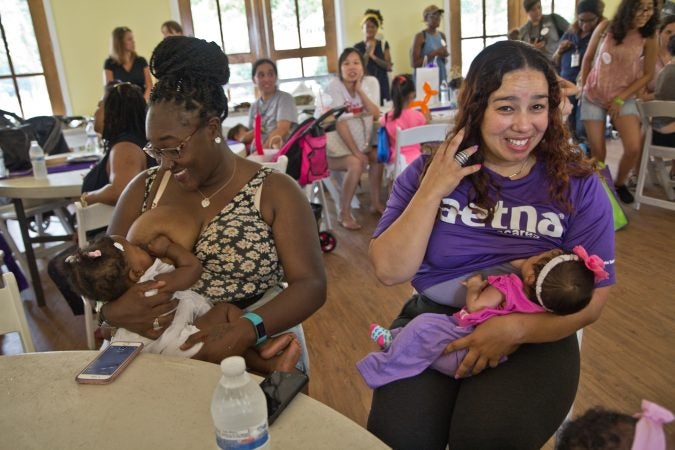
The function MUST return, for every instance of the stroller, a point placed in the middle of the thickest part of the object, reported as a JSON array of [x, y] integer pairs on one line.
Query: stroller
[[307, 163]]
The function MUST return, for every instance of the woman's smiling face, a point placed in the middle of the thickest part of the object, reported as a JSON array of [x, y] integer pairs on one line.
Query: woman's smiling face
[[516, 118], [351, 68]]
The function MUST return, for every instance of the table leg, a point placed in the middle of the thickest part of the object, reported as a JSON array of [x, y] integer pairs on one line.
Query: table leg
[[30, 253]]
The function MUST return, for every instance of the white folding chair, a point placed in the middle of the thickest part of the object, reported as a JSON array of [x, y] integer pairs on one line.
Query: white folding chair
[[89, 218], [416, 135], [653, 156], [12, 314]]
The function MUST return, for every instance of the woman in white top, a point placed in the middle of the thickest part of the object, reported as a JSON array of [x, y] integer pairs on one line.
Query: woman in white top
[[350, 149]]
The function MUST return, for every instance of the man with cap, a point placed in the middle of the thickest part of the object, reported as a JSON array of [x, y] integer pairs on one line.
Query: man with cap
[[431, 43], [542, 31]]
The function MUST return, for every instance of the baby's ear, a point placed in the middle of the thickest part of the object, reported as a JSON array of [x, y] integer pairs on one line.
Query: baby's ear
[[530, 279]]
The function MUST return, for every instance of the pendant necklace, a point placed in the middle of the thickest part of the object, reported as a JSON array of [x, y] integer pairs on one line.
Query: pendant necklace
[[206, 201], [515, 174]]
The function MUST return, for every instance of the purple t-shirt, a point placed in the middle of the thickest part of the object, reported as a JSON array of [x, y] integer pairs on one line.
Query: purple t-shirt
[[526, 223]]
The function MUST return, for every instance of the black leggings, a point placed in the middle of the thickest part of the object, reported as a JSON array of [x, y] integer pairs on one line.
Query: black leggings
[[518, 405]]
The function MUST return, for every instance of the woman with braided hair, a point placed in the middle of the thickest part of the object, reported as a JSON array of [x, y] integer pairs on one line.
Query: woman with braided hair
[[254, 222]]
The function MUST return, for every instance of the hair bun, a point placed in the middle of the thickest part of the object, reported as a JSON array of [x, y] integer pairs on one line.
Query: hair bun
[[178, 57]]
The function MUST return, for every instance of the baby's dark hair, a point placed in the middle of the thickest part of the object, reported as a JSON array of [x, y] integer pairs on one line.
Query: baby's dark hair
[[671, 45], [190, 72], [567, 288], [401, 88], [101, 278], [598, 429], [232, 132]]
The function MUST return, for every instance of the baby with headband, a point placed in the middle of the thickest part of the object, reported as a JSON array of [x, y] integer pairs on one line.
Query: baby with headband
[[602, 429], [156, 248], [553, 281]]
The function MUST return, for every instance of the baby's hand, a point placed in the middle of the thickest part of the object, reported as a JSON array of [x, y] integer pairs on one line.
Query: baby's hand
[[159, 245], [475, 281]]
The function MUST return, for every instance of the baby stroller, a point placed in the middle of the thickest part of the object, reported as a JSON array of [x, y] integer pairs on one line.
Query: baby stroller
[[307, 163]]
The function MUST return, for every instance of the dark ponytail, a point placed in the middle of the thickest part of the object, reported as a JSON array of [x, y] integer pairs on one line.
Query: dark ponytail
[[401, 87]]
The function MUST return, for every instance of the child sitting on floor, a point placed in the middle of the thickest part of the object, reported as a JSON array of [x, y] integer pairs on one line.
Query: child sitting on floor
[[552, 282], [106, 268], [602, 429]]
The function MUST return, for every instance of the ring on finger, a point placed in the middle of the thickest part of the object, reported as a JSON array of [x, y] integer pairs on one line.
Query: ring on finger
[[155, 324], [462, 158]]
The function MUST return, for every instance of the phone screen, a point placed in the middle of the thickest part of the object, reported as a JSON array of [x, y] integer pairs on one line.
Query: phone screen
[[111, 358], [280, 388]]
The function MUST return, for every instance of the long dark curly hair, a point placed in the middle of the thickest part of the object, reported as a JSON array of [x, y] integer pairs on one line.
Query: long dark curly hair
[[191, 72], [561, 159], [622, 22], [123, 111]]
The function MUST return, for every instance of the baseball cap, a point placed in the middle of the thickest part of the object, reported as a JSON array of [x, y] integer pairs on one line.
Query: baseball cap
[[431, 9]]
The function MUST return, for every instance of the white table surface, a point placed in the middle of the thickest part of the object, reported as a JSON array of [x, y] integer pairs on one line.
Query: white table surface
[[157, 402], [57, 185]]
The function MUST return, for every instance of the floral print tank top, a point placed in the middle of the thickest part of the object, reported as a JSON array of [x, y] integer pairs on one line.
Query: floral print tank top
[[236, 248]]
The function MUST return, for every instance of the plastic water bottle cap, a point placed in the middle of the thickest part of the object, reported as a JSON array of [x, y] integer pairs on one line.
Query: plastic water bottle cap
[[233, 366]]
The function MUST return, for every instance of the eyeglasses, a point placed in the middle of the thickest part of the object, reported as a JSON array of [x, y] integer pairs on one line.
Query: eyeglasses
[[169, 152], [593, 20]]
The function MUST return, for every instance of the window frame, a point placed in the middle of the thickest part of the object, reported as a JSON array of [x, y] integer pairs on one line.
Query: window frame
[[261, 36], [36, 9]]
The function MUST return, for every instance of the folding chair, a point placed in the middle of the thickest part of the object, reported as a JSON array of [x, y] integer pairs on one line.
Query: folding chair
[[89, 218], [12, 314], [653, 156], [416, 135]]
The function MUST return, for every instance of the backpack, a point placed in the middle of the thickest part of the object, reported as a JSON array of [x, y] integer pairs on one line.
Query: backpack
[[383, 148]]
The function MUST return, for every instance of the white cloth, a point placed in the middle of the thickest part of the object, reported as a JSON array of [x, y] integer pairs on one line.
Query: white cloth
[[190, 306]]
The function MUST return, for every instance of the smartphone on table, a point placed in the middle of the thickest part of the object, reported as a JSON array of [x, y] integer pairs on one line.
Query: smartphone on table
[[280, 388], [109, 363]]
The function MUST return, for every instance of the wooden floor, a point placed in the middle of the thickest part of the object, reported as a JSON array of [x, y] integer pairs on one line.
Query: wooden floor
[[628, 355]]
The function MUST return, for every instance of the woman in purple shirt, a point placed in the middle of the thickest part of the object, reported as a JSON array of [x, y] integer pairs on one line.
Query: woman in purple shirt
[[523, 190]]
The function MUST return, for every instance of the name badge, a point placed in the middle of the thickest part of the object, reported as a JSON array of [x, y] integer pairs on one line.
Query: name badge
[[574, 62]]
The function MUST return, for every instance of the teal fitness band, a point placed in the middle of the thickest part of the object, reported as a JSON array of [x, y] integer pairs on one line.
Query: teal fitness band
[[256, 320]]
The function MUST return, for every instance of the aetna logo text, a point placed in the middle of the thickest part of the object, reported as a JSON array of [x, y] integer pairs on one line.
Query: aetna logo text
[[518, 221]]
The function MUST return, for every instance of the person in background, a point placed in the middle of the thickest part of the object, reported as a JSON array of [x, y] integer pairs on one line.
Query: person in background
[[461, 211], [664, 128], [120, 119], [237, 132], [403, 117], [570, 53], [276, 107], [431, 43], [124, 64], [663, 57], [603, 429], [611, 80], [542, 31], [349, 149], [257, 230], [375, 52], [171, 28]]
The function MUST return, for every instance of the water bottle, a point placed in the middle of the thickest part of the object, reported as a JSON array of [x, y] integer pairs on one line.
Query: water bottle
[[3, 169], [37, 160], [444, 93], [239, 409], [92, 138]]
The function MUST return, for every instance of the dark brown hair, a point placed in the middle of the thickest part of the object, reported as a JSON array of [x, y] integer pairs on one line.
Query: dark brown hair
[[598, 429], [343, 56], [622, 22], [102, 278], [567, 288]]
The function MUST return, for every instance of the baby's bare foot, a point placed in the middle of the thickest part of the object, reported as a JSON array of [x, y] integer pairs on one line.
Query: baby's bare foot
[[286, 361], [274, 345]]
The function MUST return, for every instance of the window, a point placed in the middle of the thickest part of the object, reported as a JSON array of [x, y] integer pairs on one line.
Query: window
[[28, 82], [484, 22], [299, 35]]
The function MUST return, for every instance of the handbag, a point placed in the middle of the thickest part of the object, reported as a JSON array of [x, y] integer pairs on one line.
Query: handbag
[[383, 149], [15, 143], [359, 127]]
